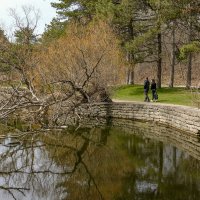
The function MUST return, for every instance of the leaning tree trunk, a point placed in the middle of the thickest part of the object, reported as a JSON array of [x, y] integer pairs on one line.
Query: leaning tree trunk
[[173, 58], [159, 62]]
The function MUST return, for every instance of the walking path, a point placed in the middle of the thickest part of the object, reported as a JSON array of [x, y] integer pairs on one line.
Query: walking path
[[151, 103]]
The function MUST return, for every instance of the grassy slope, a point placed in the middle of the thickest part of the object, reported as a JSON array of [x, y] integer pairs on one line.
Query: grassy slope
[[179, 96]]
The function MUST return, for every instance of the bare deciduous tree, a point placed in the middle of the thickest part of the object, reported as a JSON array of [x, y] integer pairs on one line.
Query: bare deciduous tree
[[52, 81], [26, 24]]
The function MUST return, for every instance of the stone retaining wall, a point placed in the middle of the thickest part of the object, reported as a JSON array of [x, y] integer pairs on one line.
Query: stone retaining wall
[[180, 117]]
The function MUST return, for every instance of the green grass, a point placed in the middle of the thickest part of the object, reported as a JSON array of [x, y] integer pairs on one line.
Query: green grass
[[179, 96]]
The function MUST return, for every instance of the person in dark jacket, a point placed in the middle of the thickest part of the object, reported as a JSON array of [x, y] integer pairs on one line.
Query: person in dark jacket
[[153, 90], [146, 89]]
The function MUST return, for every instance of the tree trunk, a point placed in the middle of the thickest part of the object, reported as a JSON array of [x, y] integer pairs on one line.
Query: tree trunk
[[189, 64], [189, 71], [130, 54], [130, 73], [128, 76], [173, 57], [159, 62]]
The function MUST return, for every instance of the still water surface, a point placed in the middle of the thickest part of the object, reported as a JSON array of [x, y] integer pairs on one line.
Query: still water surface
[[138, 161]]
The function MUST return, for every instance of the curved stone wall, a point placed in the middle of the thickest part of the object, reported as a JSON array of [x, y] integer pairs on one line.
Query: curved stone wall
[[180, 117]]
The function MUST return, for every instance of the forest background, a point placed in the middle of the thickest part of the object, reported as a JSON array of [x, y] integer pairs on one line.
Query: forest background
[[93, 44], [159, 38]]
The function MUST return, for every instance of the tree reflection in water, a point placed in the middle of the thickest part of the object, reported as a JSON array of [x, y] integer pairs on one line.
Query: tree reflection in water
[[61, 165], [134, 161]]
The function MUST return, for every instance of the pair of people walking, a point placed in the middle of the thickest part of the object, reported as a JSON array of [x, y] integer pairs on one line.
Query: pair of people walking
[[147, 85]]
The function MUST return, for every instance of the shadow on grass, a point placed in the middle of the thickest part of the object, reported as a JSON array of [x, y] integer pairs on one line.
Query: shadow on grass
[[163, 101]]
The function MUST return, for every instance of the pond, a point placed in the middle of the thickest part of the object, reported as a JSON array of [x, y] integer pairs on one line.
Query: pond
[[120, 161]]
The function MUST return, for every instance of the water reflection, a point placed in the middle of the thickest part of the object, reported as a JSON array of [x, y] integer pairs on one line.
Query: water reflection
[[135, 161]]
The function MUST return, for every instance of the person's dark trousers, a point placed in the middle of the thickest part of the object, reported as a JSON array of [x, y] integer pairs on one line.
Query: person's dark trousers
[[146, 95], [153, 94]]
